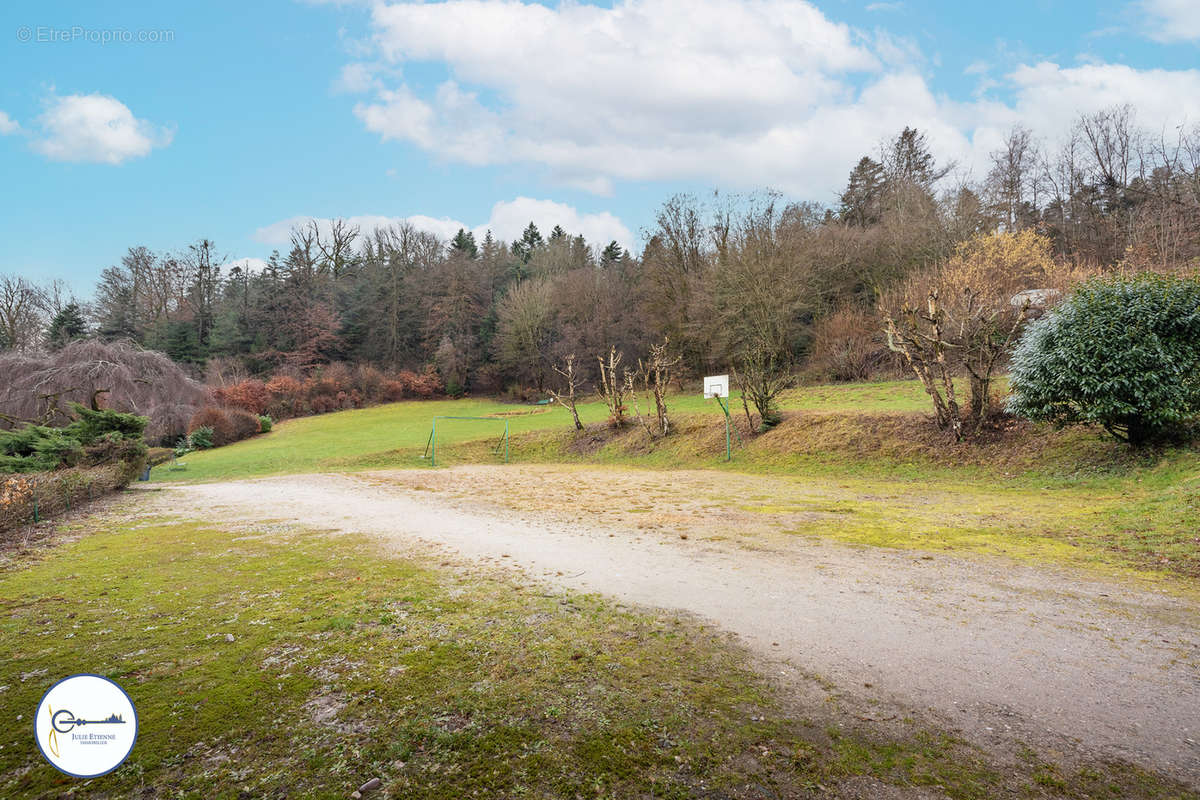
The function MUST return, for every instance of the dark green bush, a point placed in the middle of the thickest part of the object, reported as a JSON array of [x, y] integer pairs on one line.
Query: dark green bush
[[93, 437], [90, 424], [265, 423], [201, 438], [1122, 353]]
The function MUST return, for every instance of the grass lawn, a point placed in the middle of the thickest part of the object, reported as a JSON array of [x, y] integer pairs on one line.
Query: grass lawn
[[1066, 497], [395, 435], [281, 662]]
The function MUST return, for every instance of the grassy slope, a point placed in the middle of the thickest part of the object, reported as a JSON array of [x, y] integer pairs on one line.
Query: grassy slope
[[273, 661], [1068, 497], [396, 434]]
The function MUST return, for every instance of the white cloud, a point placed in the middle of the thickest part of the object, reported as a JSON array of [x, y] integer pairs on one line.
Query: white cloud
[[1172, 20], [357, 78], [747, 93], [95, 128], [8, 124], [506, 222]]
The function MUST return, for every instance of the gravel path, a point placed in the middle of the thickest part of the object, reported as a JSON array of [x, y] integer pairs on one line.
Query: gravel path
[[1006, 654]]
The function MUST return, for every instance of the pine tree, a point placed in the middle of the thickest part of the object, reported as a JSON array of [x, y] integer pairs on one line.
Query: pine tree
[[861, 201], [530, 240], [66, 326], [464, 242], [611, 254]]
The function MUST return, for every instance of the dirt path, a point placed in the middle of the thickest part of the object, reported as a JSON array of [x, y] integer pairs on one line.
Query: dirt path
[[1004, 653]]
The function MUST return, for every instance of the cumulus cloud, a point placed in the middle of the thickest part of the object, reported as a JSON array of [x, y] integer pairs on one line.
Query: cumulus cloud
[[8, 124], [95, 128], [760, 92], [1172, 20], [506, 222]]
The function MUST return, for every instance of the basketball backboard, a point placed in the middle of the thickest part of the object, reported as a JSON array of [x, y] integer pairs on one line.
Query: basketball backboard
[[716, 386]]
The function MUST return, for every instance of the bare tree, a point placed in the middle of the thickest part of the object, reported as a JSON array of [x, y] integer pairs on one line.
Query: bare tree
[[761, 379], [613, 387], [566, 398], [656, 376], [22, 313], [338, 254], [1012, 184]]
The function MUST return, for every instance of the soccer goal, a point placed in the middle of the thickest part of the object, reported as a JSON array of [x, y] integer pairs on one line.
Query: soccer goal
[[431, 446]]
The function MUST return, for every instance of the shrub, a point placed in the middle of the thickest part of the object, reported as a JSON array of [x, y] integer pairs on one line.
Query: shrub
[[248, 395], [848, 345], [215, 419], [265, 423], [201, 438], [286, 397], [93, 437], [243, 423], [1122, 353]]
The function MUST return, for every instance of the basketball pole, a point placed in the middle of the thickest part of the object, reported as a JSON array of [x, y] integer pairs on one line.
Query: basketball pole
[[728, 449]]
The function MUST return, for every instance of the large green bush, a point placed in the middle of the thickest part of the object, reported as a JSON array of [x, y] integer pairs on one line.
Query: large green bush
[[1123, 353], [92, 438]]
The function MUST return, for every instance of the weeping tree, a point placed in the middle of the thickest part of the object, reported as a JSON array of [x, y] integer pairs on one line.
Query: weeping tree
[[112, 375]]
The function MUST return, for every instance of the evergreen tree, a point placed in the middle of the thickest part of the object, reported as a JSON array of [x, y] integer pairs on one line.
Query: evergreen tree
[[181, 343], [66, 326], [611, 254], [464, 242], [530, 240], [861, 201], [557, 233]]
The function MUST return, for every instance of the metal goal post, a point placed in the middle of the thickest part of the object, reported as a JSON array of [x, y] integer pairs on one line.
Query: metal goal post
[[431, 444]]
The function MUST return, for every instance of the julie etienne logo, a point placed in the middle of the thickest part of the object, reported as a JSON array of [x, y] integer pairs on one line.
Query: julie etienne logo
[[86, 726]]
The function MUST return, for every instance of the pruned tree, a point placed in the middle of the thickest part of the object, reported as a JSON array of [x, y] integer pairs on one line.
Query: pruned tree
[[613, 387], [963, 316], [655, 373], [572, 382]]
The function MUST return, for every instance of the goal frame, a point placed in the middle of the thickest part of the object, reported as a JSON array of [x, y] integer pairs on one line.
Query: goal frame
[[431, 444]]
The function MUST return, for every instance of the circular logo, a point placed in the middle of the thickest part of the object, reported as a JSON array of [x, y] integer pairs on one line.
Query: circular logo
[[86, 726]]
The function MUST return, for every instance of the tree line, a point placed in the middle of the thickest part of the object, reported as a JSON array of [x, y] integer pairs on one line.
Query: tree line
[[728, 280]]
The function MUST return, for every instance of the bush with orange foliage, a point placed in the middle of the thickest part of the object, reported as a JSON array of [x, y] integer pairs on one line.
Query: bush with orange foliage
[[334, 388], [249, 395], [286, 397], [217, 419]]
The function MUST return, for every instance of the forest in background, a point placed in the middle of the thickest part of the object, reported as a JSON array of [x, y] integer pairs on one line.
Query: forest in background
[[719, 276]]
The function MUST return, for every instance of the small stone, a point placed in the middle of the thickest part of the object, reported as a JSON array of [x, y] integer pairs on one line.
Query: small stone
[[397, 764], [355, 795], [370, 785], [229, 637]]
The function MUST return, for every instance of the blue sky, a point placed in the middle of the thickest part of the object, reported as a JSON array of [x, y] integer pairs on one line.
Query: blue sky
[[243, 116]]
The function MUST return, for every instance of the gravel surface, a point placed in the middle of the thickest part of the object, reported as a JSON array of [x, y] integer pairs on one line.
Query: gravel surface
[[1007, 654]]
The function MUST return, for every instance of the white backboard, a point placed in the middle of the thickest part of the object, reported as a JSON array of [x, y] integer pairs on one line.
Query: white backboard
[[716, 386]]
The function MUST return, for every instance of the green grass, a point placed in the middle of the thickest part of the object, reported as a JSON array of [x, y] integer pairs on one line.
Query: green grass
[[1066, 497], [272, 661], [395, 435]]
